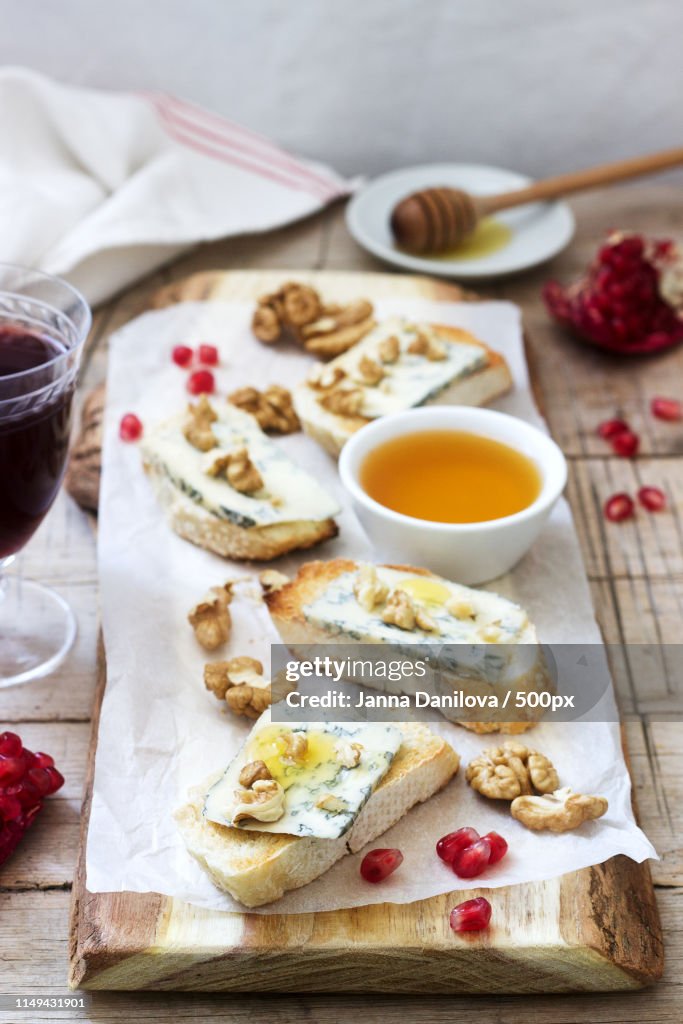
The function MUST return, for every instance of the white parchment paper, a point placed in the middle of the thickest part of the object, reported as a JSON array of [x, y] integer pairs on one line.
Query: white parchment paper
[[161, 732]]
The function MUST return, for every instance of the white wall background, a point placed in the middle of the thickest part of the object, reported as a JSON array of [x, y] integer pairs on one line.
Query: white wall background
[[536, 85]]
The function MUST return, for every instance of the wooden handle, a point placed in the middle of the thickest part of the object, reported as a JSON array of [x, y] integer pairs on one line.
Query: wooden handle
[[564, 184]]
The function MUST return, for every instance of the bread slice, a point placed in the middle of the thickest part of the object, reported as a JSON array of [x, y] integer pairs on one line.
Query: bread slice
[[187, 458], [258, 543], [319, 606], [489, 380], [259, 867]]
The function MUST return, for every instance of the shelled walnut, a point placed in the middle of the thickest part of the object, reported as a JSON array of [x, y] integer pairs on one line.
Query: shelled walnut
[[504, 773], [369, 589], [197, 426], [400, 610], [296, 312], [343, 401], [240, 683], [370, 371], [560, 811], [272, 408], [210, 618], [264, 801], [238, 470], [425, 345], [272, 580], [252, 772]]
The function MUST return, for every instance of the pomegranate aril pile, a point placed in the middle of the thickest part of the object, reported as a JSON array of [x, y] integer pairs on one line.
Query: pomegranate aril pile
[[25, 780], [449, 846], [468, 853], [471, 916], [379, 864], [624, 303]]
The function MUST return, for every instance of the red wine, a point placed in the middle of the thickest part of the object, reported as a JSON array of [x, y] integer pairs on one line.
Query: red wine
[[34, 433]]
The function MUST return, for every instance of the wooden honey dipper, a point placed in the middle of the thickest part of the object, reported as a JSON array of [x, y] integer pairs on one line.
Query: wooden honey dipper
[[438, 219]]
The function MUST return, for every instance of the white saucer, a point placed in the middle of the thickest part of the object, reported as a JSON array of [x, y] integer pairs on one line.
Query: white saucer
[[539, 230]]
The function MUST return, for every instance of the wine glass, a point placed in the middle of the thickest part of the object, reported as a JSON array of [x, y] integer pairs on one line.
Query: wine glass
[[43, 325]]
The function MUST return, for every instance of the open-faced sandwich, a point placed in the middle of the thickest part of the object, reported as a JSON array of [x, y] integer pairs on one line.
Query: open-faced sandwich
[[299, 796], [227, 487], [341, 601], [397, 365]]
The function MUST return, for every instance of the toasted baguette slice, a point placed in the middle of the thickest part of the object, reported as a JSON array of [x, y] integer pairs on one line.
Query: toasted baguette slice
[[259, 867], [319, 606], [485, 376], [285, 509], [260, 543]]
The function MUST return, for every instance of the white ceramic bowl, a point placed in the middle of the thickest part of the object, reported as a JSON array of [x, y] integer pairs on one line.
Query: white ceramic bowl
[[464, 552]]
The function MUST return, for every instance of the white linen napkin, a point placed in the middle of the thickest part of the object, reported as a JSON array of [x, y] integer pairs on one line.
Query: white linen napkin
[[103, 187]]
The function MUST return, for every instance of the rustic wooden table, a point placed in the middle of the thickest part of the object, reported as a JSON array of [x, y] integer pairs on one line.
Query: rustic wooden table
[[636, 574]]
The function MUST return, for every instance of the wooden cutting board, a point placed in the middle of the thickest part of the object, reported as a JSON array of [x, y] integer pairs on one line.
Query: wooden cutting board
[[593, 930]]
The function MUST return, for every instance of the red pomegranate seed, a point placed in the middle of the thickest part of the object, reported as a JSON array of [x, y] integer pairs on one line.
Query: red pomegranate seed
[[11, 770], [10, 744], [652, 498], [208, 355], [201, 382], [130, 427], [40, 777], [379, 864], [56, 779], [450, 845], [182, 355], [474, 859], [471, 916], [610, 428], [667, 409], [619, 507], [499, 846], [41, 760], [625, 444], [10, 808]]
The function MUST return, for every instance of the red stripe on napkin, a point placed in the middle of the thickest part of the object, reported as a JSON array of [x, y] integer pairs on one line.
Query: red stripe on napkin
[[268, 164]]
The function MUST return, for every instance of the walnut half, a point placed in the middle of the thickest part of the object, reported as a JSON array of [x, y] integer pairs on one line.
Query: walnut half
[[369, 589], [252, 772], [238, 469], [504, 773], [265, 801], [197, 426], [272, 408], [343, 401], [401, 611], [296, 312], [210, 619], [428, 346], [240, 683], [560, 811]]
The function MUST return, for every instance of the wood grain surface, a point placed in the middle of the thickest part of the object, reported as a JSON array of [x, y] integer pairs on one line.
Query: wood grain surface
[[637, 591]]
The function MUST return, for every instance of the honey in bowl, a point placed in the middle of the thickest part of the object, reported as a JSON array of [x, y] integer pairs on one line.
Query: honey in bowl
[[450, 476]]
